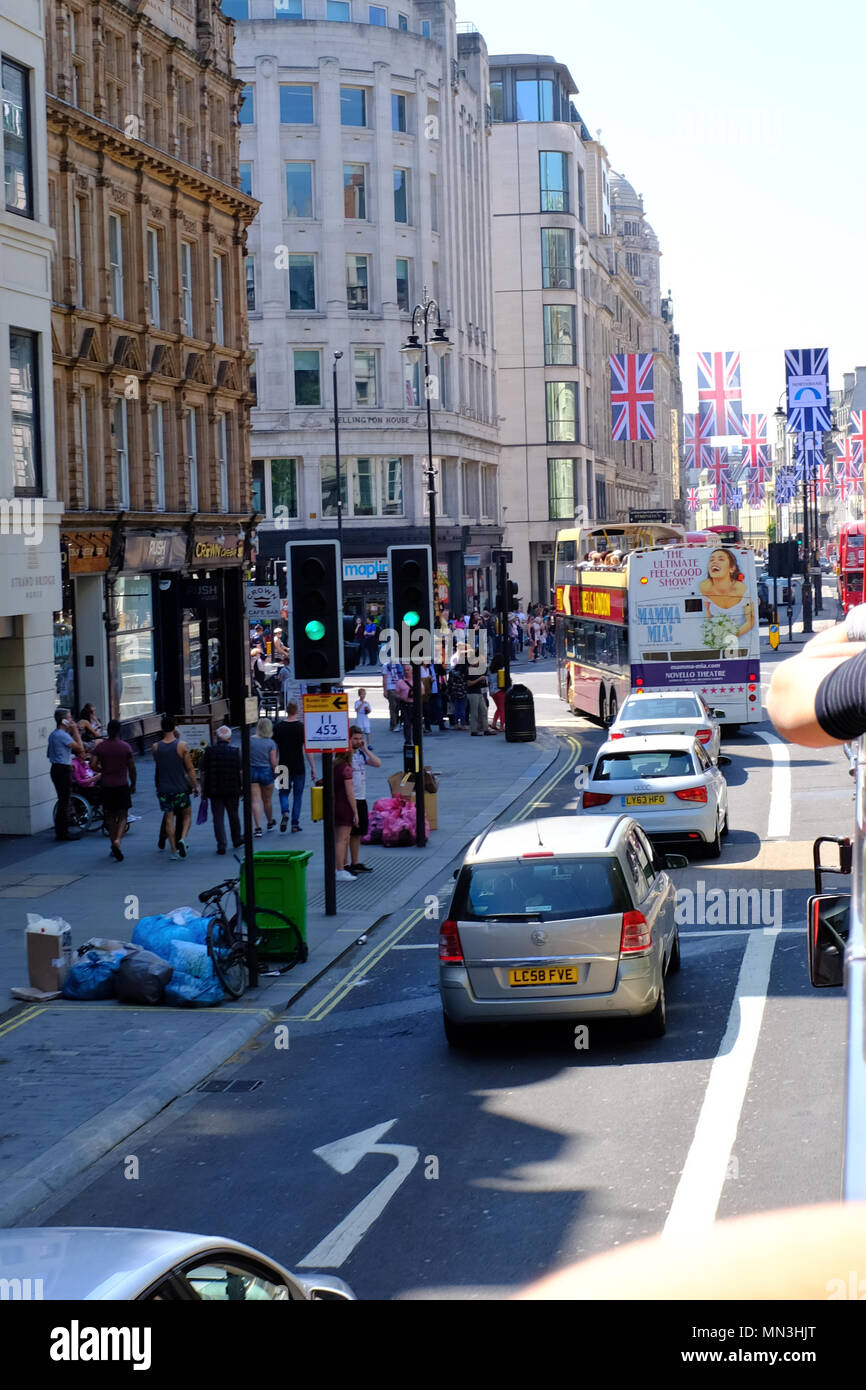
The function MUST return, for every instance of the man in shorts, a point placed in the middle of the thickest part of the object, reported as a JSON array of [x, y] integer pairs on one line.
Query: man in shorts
[[361, 758], [116, 761], [175, 782]]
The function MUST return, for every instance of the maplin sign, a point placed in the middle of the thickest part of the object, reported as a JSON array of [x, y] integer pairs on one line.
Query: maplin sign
[[364, 569]]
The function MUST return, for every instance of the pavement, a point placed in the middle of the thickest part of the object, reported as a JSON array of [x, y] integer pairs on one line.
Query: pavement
[[76, 1078]]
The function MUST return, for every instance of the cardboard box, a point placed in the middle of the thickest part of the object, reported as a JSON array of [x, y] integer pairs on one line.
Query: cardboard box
[[403, 784], [49, 955]]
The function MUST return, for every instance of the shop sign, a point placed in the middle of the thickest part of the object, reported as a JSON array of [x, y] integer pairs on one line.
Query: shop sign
[[30, 577], [196, 592], [216, 549], [355, 570], [197, 734], [164, 551], [87, 552], [377, 421], [263, 602]]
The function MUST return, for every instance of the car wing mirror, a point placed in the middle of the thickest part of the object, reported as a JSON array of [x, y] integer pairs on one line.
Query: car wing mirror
[[676, 861], [718, 713], [723, 760], [827, 919]]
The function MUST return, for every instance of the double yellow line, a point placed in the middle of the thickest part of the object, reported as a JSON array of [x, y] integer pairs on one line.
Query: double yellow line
[[24, 1017], [381, 948]]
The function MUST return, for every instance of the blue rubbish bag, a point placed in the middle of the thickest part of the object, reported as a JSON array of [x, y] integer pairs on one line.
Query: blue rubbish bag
[[93, 976], [157, 933], [193, 982]]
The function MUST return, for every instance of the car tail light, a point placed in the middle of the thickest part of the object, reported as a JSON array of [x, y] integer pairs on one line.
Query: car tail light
[[538, 854], [613, 736], [636, 935], [693, 794], [704, 735], [450, 949], [595, 799]]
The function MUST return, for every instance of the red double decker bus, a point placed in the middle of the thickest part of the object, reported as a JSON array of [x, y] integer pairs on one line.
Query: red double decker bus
[[850, 570]]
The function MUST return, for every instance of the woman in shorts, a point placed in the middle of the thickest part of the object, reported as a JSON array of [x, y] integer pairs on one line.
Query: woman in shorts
[[263, 771]]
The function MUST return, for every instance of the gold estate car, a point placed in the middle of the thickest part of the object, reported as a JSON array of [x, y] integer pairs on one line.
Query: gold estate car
[[563, 918]]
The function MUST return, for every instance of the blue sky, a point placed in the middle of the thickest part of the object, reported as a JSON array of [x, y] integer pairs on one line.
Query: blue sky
[[743, 127]]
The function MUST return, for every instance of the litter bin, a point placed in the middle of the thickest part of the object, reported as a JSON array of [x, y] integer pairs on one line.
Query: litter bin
[[519, 715], [281, 883]]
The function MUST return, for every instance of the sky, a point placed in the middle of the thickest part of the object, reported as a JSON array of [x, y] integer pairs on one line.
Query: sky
[[742, 125]]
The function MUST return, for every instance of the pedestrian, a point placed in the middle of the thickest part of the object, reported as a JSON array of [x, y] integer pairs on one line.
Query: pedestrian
[[176, 783], [258, 670], [362, 756], [257, 638], [280, 649], [221, 783], [115, 760], [85, 782], [62, 742], [498, 696], [345, 813], [89, 728], [263, 771], [392, 672], [405, 694], [433, 712], [371, 641], [286, 678], [362, 715], [289, 738], [457, 689], [476, 686]]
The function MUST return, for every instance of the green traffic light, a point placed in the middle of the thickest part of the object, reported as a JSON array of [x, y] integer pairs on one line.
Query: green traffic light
[[315, 630], [411, 619]]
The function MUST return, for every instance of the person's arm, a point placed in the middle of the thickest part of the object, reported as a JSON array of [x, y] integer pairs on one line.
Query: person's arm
[[818, 697], [371, 757], [273, 756], [750, 620], [132, 772], [190, 770], [72, 730], [350, 796]]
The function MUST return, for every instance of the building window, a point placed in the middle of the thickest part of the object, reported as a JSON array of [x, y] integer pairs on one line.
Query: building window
[[302, 282], [288, 9], [187, 114], [369, 487], [353, 106], [489, 493], [632, 264], [80, 222], [17, 155], [24, 400], [554, 181], [153, 276], [247, 113], [561, 410], [412, 383], [186, 323], [401, 195], [445, 382], [158, 427], [403, 22], [535, 100], [398, 112], [250, 280], [258, 487], [560, 489], [557, 258], [299, 189], [358, 282], [497, 99], [434, 203], [77, 44], [254, 376], [308, 385], [296, 104], [403, 288], [236, 9], [581, 196], [115, 263], [340, 10], [284, 487], [560, 343], [245, 170], [219, 311], [354, 191], [192, 459], [378, 15], [222, 448], [121, 449], [365, 368], [425, 28]]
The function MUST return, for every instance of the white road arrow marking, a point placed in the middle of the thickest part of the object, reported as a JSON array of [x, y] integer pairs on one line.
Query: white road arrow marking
[[344, 1155]]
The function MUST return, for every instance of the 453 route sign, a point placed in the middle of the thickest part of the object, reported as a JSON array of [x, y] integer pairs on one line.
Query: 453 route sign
[[326, 722]]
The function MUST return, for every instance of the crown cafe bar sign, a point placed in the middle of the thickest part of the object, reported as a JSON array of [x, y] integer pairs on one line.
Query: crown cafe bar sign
[[214, 548]]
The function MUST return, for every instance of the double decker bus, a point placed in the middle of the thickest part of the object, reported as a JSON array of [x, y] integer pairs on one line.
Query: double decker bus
[[850, 570], [668, 616], [727, 534]]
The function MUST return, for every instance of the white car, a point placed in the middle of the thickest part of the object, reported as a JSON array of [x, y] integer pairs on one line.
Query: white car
[[667, 783], [668, 712]]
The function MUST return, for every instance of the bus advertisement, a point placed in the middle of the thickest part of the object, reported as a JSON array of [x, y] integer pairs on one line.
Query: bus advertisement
[[674, 616]]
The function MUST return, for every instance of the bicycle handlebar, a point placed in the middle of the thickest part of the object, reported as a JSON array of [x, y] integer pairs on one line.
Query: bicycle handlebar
[[210, 894]]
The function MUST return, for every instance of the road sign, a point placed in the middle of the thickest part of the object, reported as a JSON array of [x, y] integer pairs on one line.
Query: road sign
[[326, 722]]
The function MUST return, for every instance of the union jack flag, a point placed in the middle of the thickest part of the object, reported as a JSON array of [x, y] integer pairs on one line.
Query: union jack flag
[[754, 441], [858, 435], [632, 406], [714, 499], [786, 487], [848, 485], [757, 492], [719, 467], [822, 479], [731, 496], [692, 502], [720, 400], [699, 451], [806, 377], [848, 456]]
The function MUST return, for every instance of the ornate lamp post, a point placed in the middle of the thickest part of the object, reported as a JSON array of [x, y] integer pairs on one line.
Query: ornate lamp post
[[414, 349]]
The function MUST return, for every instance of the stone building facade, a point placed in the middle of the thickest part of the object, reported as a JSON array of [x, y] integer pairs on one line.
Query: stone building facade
[[150, 355], [365, 137]]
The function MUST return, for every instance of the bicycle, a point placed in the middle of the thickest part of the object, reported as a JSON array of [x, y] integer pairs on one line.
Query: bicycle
[[227, 936]]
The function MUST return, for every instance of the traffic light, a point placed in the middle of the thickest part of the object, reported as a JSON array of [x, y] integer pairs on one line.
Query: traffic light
[[351, 649], [410, 587], [511, 588], [315, 610]]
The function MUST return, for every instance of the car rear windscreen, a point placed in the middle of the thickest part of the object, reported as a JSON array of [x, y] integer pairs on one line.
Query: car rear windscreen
[[624, 767], [643, 708], [544, 889]]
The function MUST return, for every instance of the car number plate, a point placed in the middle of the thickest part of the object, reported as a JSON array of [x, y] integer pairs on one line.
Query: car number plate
[[545, 975], [644, 800]]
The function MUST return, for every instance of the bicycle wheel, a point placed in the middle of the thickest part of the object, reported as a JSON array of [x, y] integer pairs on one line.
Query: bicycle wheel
[[297, 953], [228, 953]]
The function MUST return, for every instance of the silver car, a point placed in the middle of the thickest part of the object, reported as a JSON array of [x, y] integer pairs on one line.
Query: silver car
[[116, 1263], [668, 712], [561, 918]]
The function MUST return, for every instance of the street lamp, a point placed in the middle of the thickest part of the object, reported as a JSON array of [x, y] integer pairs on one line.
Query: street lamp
[[414, 349], [337, 356]]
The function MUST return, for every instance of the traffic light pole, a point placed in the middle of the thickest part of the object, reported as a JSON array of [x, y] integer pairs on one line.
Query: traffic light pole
[[328, 830], [418, 739], [502, 584], [807, 578]]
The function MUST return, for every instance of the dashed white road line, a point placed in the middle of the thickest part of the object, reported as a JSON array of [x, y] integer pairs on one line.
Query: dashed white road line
[[779, 817], [696, 1199]]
